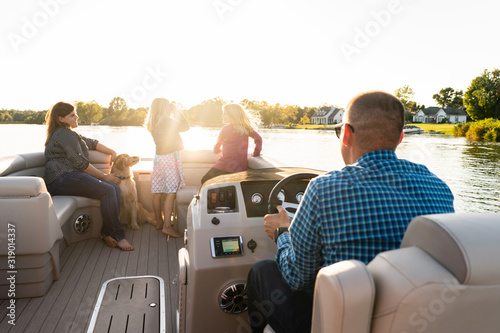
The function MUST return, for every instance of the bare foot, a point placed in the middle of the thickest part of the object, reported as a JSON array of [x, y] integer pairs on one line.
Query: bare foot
[[110, 241], [124, 245], [170, 232]]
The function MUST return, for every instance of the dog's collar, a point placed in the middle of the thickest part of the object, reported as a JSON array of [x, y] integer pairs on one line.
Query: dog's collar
[[123, 177]]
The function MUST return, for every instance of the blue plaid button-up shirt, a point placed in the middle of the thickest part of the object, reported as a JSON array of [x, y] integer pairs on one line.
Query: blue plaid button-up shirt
[[356, 213]]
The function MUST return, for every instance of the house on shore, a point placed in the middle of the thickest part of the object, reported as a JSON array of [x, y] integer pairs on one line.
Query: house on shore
[[436, 114], [327, 115]]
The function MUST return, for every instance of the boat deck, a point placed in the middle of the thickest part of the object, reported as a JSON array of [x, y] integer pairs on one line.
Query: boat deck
[[85, 266]]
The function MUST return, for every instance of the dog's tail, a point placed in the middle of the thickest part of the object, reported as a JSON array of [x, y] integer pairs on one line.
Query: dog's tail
[[145, 216]]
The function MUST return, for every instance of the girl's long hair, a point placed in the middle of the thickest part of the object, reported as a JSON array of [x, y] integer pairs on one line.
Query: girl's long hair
[[244, 121], [60, 109], [160, 109]]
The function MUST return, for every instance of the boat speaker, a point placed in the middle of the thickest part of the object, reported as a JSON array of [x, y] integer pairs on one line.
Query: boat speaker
[[233, 298], [82, 224]]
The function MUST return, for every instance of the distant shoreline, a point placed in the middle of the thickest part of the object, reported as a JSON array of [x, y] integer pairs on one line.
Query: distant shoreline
[[442, 128]]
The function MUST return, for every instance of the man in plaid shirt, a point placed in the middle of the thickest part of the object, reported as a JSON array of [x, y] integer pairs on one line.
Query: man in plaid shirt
[[353, 213]]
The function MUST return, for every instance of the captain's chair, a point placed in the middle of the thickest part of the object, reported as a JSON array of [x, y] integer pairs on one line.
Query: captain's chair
[[444, 278]]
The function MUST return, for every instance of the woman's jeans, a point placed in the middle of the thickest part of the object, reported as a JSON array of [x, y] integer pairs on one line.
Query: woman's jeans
[[79, 183]]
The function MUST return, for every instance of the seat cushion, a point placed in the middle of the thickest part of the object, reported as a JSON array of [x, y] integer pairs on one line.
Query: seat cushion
[[65, 206], [22, 186], [343, 298], [468, 245]]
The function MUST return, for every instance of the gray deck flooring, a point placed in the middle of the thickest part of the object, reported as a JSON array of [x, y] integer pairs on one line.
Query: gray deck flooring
[[85, 266]]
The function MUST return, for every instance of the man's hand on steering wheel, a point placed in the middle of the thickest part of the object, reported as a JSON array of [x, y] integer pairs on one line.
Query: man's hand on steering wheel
[[283, 216], [274, 221]]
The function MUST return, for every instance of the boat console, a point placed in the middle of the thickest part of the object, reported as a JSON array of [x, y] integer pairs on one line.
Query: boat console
[[224, 237]]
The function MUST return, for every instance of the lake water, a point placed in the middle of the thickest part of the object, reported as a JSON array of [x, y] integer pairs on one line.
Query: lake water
[[470, 169]]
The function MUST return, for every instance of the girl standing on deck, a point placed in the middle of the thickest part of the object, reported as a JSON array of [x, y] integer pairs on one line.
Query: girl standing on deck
[[164, 122], [233, 138]]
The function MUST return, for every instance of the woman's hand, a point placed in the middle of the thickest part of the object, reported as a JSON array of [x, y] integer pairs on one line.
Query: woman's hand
[[113, 154], [111, 178]]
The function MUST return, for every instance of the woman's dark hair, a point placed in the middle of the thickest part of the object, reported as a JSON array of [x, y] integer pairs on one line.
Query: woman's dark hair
[[60, 109]]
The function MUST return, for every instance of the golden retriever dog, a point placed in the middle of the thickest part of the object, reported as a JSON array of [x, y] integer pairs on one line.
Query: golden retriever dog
[[131, 211]]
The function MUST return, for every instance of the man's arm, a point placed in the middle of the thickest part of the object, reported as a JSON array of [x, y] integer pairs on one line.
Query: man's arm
[[299, 251]]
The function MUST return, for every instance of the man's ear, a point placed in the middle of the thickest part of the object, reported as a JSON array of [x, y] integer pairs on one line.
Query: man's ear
[[347, 136]]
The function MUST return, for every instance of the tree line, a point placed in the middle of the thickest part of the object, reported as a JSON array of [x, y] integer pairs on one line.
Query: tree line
[[480, 101], [208, 113]]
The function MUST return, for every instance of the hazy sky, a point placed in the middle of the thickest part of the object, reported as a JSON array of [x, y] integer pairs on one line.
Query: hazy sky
[[306, 52]]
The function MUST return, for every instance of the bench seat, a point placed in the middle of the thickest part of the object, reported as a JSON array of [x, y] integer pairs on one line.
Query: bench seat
[[36, 227]]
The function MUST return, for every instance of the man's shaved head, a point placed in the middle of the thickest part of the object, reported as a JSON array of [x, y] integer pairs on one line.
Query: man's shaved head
[[378, 119]]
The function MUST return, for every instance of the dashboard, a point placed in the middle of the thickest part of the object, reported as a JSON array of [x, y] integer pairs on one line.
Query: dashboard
[[256, 185], [256, 195], [224, 238]]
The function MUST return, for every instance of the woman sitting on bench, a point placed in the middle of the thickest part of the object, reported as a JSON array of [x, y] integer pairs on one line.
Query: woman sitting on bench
[[69, 172]]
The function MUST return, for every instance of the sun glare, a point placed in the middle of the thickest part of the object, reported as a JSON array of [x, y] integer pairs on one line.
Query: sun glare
[[198, 138]]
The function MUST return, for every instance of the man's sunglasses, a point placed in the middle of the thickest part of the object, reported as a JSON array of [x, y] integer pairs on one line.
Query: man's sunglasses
[[338, 128]]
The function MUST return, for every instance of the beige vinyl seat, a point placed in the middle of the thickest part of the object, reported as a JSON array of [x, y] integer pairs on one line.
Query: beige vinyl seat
[[444, 278], [36, 227], [30, 252]]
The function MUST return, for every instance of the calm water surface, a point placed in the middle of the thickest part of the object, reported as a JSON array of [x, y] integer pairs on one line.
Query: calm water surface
[[470, 169]]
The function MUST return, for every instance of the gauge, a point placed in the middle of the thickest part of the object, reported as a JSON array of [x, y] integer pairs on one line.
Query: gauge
[[299, 196], [281, 195], [257, 198]]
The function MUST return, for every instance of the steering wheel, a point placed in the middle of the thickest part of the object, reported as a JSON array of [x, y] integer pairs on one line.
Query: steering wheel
[[273, 196]]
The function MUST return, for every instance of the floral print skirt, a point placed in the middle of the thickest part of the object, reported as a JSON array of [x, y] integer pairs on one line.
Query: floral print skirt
[[168, 176]]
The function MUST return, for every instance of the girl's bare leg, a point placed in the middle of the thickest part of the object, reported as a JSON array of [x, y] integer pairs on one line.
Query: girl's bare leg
[[157, 210], [167, 213]]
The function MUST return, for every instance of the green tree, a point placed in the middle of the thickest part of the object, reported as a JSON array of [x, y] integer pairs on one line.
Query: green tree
[[405, 95], [261, 107], [449, 97], [89, 113], [279, 114], [208, 113], [482, 98], [290, 114], [117, 112], [305, 120], [275, 114], [40, 117], [136, 117], [5, 117], [18, 116]]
